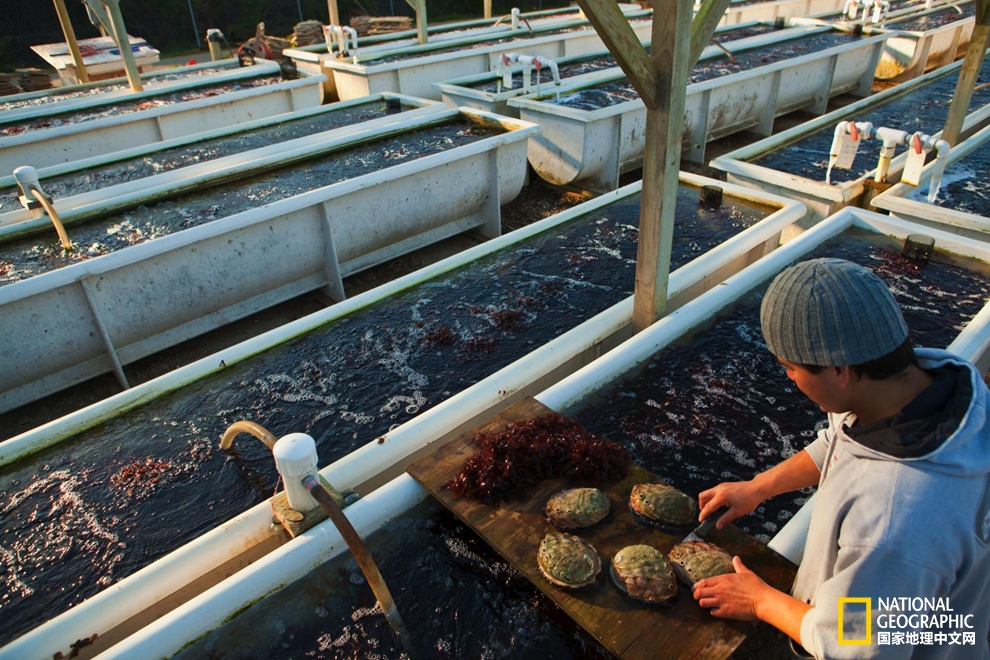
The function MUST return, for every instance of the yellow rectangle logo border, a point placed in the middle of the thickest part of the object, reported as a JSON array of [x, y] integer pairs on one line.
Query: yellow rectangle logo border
[[869, 622]]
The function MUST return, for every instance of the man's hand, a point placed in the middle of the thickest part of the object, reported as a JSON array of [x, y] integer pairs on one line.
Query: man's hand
[[744, 596], [740, 496], [734, 595]]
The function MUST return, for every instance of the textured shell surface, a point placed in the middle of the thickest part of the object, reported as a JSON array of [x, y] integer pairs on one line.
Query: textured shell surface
[[696, 560], [568, 561], [664, 504], [643, 573], [576, 508]]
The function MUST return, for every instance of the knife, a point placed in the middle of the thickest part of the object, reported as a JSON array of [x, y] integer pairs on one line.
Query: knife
[[706, 526]]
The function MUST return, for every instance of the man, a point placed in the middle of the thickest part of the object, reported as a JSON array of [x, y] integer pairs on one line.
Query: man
[[903, 476]]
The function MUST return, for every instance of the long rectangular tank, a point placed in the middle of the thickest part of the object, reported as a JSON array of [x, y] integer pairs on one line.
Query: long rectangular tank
[[592, 147], [484, 91], [413, 70], [81, 182], [104, 312], [962, 204], [927, 40], [794, 161], [231, 599], [561, 272], [78, 129]]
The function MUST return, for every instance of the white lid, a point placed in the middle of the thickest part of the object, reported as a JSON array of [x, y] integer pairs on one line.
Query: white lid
[[295, 455]]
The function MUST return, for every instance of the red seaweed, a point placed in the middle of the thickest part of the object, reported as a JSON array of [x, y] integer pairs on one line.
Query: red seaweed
[[526, 452]]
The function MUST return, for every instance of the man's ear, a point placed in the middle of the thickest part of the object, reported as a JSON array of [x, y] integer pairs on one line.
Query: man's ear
[[845, 375]]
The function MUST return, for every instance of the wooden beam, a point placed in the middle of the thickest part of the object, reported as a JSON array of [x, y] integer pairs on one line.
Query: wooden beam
[[622, 42], [661, 164], [332, 10], [70, 39], [124, 44], [422, 27], [968, 74], [488, 8], [703, 27]]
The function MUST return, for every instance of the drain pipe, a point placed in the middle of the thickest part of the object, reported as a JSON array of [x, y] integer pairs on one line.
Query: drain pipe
[[851, 9], [32, 196], [296, 461]]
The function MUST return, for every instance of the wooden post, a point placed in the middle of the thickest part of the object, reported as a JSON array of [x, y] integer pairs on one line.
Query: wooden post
[[422, 26], [124, 44], [488, 8], [332, 8], [70, 39], [703, 27], [660, 78], [968, 74]]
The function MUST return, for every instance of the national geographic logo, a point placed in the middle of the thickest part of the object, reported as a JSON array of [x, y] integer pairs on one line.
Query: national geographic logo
[[903, 621], [855, 611]]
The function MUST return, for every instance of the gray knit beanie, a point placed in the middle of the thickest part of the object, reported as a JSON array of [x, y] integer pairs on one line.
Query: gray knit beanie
[[830, 313]]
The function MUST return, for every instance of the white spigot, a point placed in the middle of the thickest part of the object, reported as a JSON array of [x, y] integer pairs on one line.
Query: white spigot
[[515, 18], [528, 63], [33, 198], [851, 9], [295, 458], [838, 156], [919, 144], [344, 36]]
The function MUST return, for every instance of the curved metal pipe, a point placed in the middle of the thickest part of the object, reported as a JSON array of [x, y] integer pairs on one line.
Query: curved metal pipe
[[243, 426], [364, 559], [46, 201]]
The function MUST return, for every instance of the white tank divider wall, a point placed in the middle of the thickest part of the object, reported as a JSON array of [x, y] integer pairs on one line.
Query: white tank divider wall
[[115, 309], [823, 199], [410, 107], [97, 85], [199, 616], [63, 144], [769, 11], [960, 222], [594, 147], [370, 466], [231, 74], [415, 76], [908, 55]]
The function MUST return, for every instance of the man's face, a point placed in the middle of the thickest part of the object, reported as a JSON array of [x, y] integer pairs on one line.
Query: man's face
[[824, 388]]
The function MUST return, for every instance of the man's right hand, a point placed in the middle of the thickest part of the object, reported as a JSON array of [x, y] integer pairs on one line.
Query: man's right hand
[[740, 496]]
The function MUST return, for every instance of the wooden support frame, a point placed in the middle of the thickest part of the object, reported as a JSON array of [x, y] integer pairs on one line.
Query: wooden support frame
[[968, 74], [332, 10], [660, 78], [422, 25], [70, 39]]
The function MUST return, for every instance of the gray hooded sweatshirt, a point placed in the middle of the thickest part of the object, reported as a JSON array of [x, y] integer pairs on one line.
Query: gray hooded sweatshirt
[[900, 529]]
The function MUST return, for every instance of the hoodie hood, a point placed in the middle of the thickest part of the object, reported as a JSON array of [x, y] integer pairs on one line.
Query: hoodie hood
[[945, 436]]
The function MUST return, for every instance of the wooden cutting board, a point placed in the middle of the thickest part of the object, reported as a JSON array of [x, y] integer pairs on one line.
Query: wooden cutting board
[[627, 629]]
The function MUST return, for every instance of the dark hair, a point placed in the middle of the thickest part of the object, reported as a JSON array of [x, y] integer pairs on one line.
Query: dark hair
[[882, 368]]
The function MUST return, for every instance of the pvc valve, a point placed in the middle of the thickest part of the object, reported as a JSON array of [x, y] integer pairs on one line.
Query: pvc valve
[[295, 458], [27, 180]]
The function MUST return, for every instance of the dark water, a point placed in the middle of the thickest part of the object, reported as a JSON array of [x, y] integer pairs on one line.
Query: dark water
[[936, 19], [718, 407], [55, 95], [590, 65], [964, 185], [714, 407], [115, 110], [456, 595], [159, 162], [923, 109], [41, 252], [68, 525], [609, 94]]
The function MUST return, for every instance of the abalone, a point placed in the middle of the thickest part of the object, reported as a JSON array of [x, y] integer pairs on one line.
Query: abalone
[[662, 506], [643, 573], [568, 561], [694, 561], [577, 508]]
